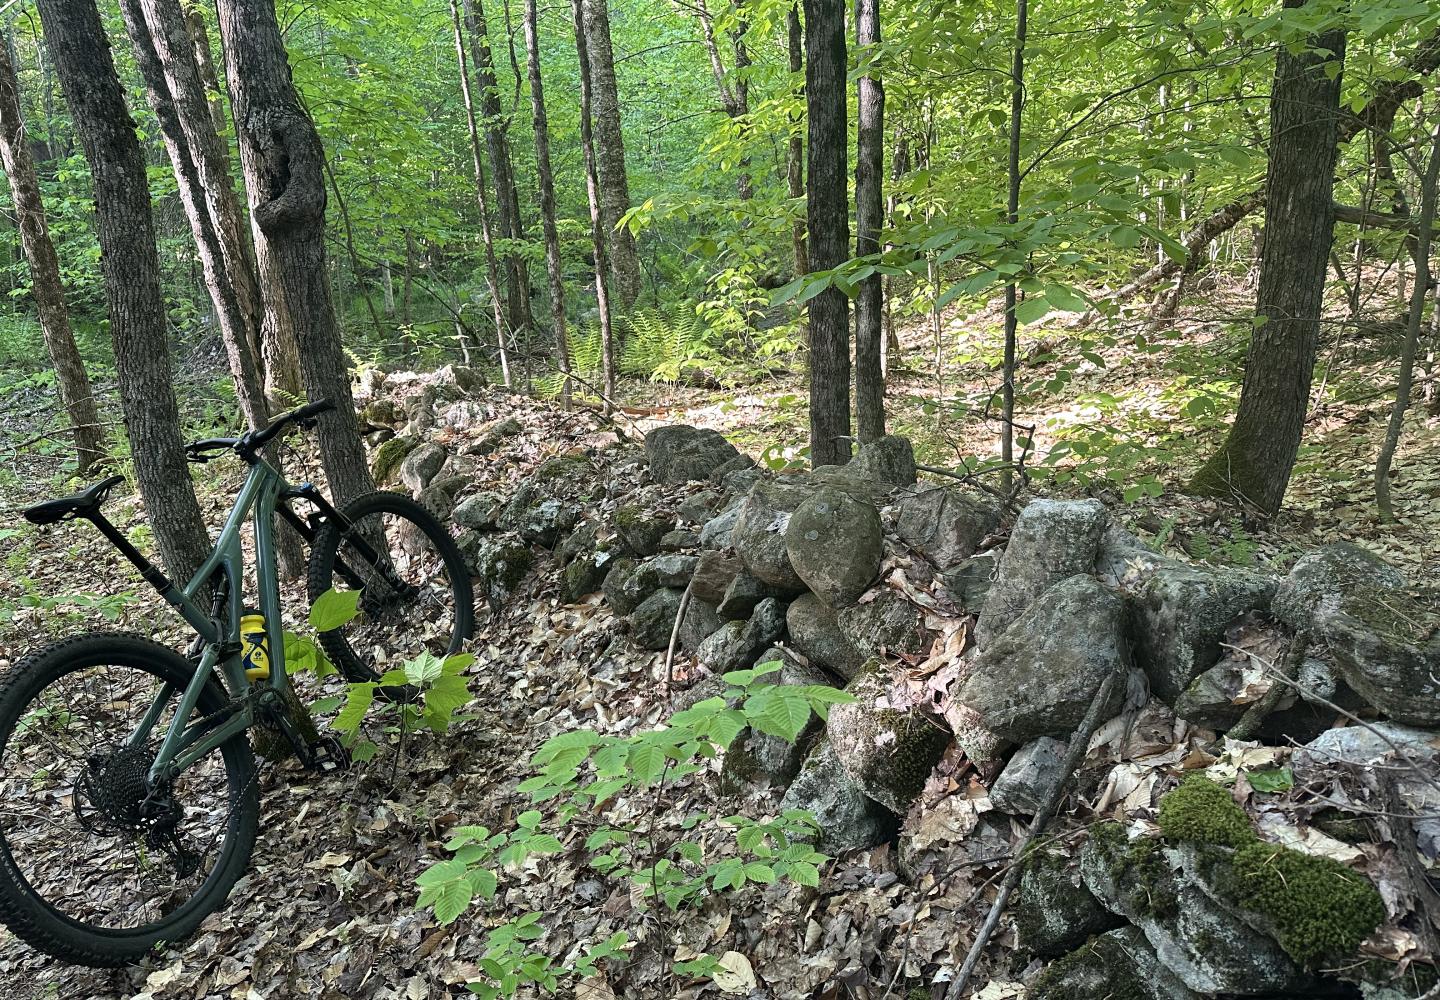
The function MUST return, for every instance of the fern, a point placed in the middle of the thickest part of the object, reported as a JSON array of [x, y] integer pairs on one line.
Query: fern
[[662, 345]]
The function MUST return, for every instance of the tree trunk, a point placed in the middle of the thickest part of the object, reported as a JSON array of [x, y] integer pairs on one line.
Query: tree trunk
[[828, 216], [131, 268], [547, 200], [869, 216], [238, 331], [610, 154], [497, 143], [1012, 216], [597, 225], [287, 198], [45, 286], [1419, 244], [492, 271], [795, 152], [1253, 465], [199, 34]]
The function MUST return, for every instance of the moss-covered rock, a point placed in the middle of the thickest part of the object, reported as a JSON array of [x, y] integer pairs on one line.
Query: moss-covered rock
[[888, 752], [679, 453], [501, 562], [759, 760], [1118, 965], [586, 574], [641, 530], [815, 632], [849, 820], [1053, 911], [385, 463], [1203, 812]]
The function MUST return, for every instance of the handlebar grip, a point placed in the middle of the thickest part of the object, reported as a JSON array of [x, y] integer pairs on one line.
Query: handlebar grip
[[313, 409]]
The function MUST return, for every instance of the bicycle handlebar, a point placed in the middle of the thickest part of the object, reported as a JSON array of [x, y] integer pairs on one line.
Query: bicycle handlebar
[[247, 444]]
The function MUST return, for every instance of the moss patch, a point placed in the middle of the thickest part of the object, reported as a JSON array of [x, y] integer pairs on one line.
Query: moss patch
[[1319, 908], [389, 456], [1203, 812], [1139, 870], [1102, 961]]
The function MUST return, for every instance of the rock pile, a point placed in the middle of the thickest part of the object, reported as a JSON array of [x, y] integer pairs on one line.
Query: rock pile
[[970, 667]]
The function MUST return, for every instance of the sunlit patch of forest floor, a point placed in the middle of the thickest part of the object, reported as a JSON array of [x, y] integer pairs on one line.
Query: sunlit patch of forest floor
[[328, 910]]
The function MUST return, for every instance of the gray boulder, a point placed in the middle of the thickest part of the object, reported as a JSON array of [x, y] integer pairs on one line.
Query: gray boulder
[[700, 507], [888, 752], [586, 574], [945, 524], [493, 437], [1384, 643], [848, 819], [759, 532], [1181, 615], [968, 582], [834, 544], [679, 540], [500, 561], [680, 454], [815, 633], [889, 624], [714, 572], [1039, 676], [1054, 912], [744, 594], [641, 530], [421, 466], [700, 623], [622, 599], [736, 645], [645, 578], [1205, 945], [1118, 963], [740, 463], [654, 619], [545, 523], [1026, 780], [889, 460], [759, 760], [580, 542], [718, 531], [1052, 540], [480, 512]]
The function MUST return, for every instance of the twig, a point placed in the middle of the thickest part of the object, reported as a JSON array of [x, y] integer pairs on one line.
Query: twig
[[1258, 712], [675, 636], [1079, 744], [1317, 699]]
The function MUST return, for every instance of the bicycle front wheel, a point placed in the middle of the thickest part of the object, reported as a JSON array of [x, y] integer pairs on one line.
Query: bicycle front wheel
[[97, 866], [415, 593]]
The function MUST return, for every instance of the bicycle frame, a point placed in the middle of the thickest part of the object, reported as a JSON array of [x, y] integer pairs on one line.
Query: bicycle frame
[[264, 495]]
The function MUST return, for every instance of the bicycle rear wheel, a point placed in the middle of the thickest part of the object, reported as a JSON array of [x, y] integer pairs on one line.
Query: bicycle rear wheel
[[415, 590], [96, 866]]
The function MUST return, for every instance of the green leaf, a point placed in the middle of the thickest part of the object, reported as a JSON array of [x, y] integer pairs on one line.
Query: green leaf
[[1031, 309], [424, 670], [451, 900], [333, 609], [1277, 779], [778, 711], [357, 702]]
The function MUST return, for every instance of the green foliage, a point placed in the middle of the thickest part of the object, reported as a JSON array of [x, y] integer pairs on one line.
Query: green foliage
[[663, 346], [579, 771], [1204, 812], [1321, 910]]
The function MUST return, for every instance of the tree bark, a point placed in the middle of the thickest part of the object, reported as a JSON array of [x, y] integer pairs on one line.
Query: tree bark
[[1254, 464], [45, 287], [547, 200], [610, 154], [238, 329], [1420, 245], [131, 268], [1012, 216], [597, 225], [508, 219], [286, 177], [795, 151], [199, 35], [828, 217], [869, 216], [492, 270]]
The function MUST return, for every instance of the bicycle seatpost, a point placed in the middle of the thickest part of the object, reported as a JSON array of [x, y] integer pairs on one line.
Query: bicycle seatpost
[[148, 570]]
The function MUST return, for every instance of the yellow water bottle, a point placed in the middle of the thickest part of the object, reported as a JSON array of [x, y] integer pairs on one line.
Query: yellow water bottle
[[255, 647]]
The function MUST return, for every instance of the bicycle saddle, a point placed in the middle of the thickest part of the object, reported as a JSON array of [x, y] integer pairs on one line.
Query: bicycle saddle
[[84, 504]]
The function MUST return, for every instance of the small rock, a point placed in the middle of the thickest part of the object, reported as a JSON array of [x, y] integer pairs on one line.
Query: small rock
[[736, 645], [848, 819], [493, 437], [421, 466], [815, 632], [545, 524], [680, 453], [585, 575], [1125, 561], [1325, 577], [740, 463], [969, 582], [717, 532], [759, 532], [739, 482], [654, 619], [713, 573], [617, 594], [888, 752], [1182, 614], [1118, 963], [744, 594], [700, 622], [1039, 676], [501, 562], [760, 760], [700, 507], [386, 461], [945, 524], [1026, 780], [580, 542], [834, 542], [1052, 540]]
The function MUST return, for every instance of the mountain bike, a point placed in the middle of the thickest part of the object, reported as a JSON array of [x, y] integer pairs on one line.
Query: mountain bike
[[129, 804]]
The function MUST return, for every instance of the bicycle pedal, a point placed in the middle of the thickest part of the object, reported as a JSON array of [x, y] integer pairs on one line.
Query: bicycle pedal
[[327, 755]]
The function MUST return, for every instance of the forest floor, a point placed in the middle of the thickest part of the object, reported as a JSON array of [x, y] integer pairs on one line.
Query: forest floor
[[328, 910]]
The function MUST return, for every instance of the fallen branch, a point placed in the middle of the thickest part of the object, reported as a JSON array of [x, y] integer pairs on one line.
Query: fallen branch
[[1260, 710], [1079, 744], [675, 636]]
